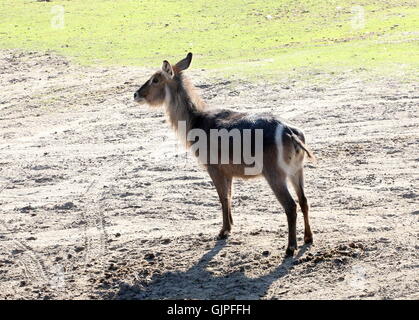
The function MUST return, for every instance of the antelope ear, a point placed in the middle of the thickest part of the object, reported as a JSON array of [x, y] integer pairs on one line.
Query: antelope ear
[[167, 68], [184, 63]]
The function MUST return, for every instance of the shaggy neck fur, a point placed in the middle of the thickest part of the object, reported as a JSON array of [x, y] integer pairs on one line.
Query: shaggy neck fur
[[182, 102]]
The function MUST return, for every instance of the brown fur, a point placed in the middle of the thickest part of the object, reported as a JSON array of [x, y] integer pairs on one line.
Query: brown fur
[[183, 103]]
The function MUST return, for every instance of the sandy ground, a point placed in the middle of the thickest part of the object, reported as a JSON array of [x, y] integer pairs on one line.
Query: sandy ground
[[97, 199]]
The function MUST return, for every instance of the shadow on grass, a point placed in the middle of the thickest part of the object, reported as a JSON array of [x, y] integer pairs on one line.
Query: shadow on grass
[[199, 283]]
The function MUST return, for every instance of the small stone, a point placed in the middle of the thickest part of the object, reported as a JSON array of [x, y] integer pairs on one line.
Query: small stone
[[149, 256], [352, 245], [309, 257], [26, 209], [78, 249], [66, 206], [112, 267], [343, 247], [266, 253]]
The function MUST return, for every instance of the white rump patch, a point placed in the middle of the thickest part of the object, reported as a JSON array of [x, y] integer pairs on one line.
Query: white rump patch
[[294, 164]]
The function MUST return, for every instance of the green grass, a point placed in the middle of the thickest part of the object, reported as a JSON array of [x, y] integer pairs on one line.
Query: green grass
[[249, 37]]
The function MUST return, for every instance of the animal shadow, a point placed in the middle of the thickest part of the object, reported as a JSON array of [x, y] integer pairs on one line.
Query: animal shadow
[[199, 283]]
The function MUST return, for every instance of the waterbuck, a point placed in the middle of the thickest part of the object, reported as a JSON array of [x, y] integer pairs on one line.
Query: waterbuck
[[278, 150]]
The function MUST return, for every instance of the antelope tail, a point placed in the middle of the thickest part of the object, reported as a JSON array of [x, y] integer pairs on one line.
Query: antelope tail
[[298, 143]]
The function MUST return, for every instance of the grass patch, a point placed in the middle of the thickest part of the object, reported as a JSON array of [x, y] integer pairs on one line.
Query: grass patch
[[250, 37]]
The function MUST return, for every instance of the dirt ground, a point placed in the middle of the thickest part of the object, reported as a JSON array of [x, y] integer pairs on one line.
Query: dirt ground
[[99, 201]]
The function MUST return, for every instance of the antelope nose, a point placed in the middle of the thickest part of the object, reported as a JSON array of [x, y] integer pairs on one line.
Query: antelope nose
[[135, 95]]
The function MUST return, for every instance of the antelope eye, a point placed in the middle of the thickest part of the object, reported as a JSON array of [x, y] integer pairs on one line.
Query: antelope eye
[[155, 80]]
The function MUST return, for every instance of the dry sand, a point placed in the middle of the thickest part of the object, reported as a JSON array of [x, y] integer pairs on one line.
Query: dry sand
[[98, 200]]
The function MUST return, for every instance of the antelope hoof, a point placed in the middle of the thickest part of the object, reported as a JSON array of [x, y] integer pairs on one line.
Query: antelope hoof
[[308, 239], [290, 251], [223, 234]]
